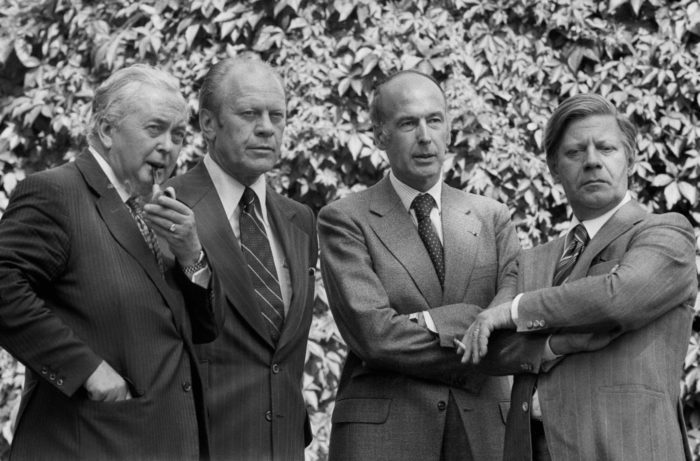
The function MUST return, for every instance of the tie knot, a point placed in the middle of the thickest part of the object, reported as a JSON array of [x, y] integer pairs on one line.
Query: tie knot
[[422, 205], [579, 234], [134, 203], [247, 202]]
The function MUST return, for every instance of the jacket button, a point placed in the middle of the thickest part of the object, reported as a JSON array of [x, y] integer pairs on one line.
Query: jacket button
[[59, 382], [52, 376], [268, 415], [312, 271], [441, 405], [529, 324], [526, 406], [275, 368], [44, 370], [186, 386], [525, 366]]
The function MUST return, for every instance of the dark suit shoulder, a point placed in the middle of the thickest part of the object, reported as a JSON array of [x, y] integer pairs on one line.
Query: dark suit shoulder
[[306, 215]]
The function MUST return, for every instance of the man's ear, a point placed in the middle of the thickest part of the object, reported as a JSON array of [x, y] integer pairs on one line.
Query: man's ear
[[105, 132], [379, 137], [208, 123]]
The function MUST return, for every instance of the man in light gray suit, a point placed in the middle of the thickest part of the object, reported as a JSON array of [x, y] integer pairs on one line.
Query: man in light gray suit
[[407, 265], [620, 271]]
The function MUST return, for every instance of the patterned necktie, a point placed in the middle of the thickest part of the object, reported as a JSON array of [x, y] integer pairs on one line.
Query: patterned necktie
[[579, 240], [422, 205], [136, 208], [258, 256]]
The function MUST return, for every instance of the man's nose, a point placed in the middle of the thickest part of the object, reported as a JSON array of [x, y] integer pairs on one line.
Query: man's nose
[[422, 132], [264, 126], [593, 157]]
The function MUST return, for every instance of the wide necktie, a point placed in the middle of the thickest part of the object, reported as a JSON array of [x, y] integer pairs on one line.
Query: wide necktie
[[578, 241], [136, 208], [422, 205], [258, 256]]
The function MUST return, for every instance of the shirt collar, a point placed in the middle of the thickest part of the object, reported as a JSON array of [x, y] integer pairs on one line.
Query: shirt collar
[[230, 190], [406, 193], [109, 172], [594, 225]]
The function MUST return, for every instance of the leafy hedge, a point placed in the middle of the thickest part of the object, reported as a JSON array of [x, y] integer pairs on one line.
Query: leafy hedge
[[505, 65]]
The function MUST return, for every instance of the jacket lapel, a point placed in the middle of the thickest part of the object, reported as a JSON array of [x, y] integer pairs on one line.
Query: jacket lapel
[[393, 225], [122, 226], [295, 246], [460, 232], [626, 217], [221, 245], [538, 265]]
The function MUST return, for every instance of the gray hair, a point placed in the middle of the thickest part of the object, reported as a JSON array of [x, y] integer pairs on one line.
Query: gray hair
[[579, 107], [114, 97]]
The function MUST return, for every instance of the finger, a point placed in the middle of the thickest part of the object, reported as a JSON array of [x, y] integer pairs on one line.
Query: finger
[[475, 344], [484, 341], [166, 201], [460, 346]]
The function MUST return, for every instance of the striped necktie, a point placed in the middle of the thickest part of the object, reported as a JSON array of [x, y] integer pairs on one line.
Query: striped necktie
[[136, 209], [422, 205], [261, 265], [578, 241]]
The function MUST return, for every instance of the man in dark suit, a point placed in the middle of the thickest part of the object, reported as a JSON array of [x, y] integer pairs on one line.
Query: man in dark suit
[[263, 246], [102, 314], [620, 271], [407, 265]]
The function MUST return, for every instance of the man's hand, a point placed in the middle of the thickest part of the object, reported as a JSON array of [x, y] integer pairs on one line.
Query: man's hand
[[174, 222], [474, 344], [571, 343], [106, 385]]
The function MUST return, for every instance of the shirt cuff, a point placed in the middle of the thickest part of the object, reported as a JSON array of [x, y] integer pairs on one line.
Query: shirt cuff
[[549, 354], [429, 323], [201, 277], [514, 308]]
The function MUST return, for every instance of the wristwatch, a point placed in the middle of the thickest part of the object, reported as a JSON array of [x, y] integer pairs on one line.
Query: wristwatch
[[196, 267]]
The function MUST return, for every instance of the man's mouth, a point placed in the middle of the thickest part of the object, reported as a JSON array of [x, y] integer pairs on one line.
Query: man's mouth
[[157, 172]]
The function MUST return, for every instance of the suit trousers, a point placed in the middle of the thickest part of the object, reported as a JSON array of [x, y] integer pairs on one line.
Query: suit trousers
[[455, 446]]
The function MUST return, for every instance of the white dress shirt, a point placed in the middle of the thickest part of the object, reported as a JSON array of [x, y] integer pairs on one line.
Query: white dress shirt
[[230, 192]]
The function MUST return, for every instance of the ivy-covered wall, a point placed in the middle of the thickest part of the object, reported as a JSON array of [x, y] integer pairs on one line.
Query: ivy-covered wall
[[505, 65]]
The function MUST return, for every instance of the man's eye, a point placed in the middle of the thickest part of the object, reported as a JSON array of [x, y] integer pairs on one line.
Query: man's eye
[[154, 130], [178, 137], [407, 125], [435, 122], [276, 117], [248, 114]]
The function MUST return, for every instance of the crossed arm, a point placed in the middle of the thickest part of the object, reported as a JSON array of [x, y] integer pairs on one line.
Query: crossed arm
[[655, 274]]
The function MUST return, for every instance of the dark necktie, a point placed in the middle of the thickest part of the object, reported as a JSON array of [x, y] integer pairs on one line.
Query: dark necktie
[[136, 208], [258, 256], [579, 240], [422, 205]]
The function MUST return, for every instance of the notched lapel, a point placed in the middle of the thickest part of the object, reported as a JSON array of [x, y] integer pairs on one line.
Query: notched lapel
[[393, 226], [626, 217], [222, 247], [460, 234], [295, 245], [122, 226]]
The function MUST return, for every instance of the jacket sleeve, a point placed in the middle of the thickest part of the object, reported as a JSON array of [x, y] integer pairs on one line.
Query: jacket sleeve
[[34, 250], [655, 274]]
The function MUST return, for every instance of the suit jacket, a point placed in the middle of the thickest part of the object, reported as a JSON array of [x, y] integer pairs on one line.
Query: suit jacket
[[79, 285], [397, 378], [253, 388], [636, 277]]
